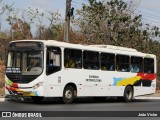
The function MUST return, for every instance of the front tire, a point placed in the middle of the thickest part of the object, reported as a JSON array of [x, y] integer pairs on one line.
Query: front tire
[[68, 95], [128, 94]]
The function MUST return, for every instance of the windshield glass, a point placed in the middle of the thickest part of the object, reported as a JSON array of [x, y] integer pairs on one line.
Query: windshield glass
[[25, 62]]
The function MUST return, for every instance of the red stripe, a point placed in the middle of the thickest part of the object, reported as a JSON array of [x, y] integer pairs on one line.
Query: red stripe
[[12, 89], [145, 76], [7, 88], [14, 85]]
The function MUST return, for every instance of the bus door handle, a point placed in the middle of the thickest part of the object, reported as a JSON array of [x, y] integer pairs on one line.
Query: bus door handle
[[96, 84]]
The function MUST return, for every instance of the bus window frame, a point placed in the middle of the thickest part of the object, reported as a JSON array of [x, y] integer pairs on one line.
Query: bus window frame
[[114, 61], [46, 59], [149, 65], [141, 69], [99, 65], [120, 63], [73, 58]]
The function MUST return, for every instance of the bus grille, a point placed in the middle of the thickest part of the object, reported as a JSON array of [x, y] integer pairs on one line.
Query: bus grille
[[16, 78]]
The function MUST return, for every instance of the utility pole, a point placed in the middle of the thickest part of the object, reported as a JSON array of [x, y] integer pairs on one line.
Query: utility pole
[[67, 21]]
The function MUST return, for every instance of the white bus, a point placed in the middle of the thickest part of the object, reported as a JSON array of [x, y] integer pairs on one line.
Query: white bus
[[48, 68]]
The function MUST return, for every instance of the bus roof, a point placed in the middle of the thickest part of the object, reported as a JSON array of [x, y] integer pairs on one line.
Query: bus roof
[[98, 48]]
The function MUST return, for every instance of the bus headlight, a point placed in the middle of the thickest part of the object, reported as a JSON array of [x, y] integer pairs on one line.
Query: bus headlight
[[37, 85]]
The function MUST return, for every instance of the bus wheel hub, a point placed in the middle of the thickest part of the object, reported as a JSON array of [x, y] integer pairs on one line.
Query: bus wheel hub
[[68, 94]]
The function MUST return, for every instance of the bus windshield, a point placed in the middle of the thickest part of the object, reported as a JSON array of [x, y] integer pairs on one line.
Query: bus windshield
[[25, 62]]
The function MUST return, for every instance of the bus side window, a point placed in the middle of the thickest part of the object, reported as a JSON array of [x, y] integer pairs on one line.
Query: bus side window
[[136, 64], [149, 65], [53, 60], [107, 61], [72, 58], [123, 63], [91, 60]]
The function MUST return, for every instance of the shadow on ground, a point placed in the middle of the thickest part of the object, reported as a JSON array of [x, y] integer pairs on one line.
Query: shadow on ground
[[86, 100]]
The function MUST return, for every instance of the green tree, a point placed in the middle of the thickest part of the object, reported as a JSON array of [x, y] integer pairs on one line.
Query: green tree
[[50, 33], [115, 23]]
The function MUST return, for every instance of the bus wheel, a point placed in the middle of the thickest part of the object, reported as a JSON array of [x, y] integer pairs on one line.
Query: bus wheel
[[68, 95], [37, 99], [128, 94]]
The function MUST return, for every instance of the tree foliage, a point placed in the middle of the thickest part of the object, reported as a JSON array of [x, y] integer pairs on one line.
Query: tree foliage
[[113, 23], [52, 32]]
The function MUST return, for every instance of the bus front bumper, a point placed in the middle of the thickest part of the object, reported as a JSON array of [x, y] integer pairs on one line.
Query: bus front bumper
[[21, 92]]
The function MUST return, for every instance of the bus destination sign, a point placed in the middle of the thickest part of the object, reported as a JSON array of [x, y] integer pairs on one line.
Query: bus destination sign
[[13, 70]]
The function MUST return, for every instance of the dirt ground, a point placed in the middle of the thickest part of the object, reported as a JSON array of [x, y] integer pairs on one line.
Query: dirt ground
[[2, 94], [157, 92]]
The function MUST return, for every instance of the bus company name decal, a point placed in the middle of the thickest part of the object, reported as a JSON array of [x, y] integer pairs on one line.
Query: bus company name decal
[[93, 78]]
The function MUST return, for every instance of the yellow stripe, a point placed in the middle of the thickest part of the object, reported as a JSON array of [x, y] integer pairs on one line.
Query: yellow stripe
[[128, 81]]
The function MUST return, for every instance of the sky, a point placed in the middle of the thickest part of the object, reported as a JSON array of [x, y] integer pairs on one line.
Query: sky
[[150, 9]]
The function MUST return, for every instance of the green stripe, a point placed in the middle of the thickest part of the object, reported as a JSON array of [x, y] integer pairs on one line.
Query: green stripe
[[10, 82]]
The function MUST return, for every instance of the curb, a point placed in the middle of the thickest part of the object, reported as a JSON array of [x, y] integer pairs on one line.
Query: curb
[[2, 99], [148, 98]]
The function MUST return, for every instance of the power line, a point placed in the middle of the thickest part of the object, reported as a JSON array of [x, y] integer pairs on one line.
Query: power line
[[85, 0], [149, 17], [155, 10], [77, 2], [147, 14], [153, 21]]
